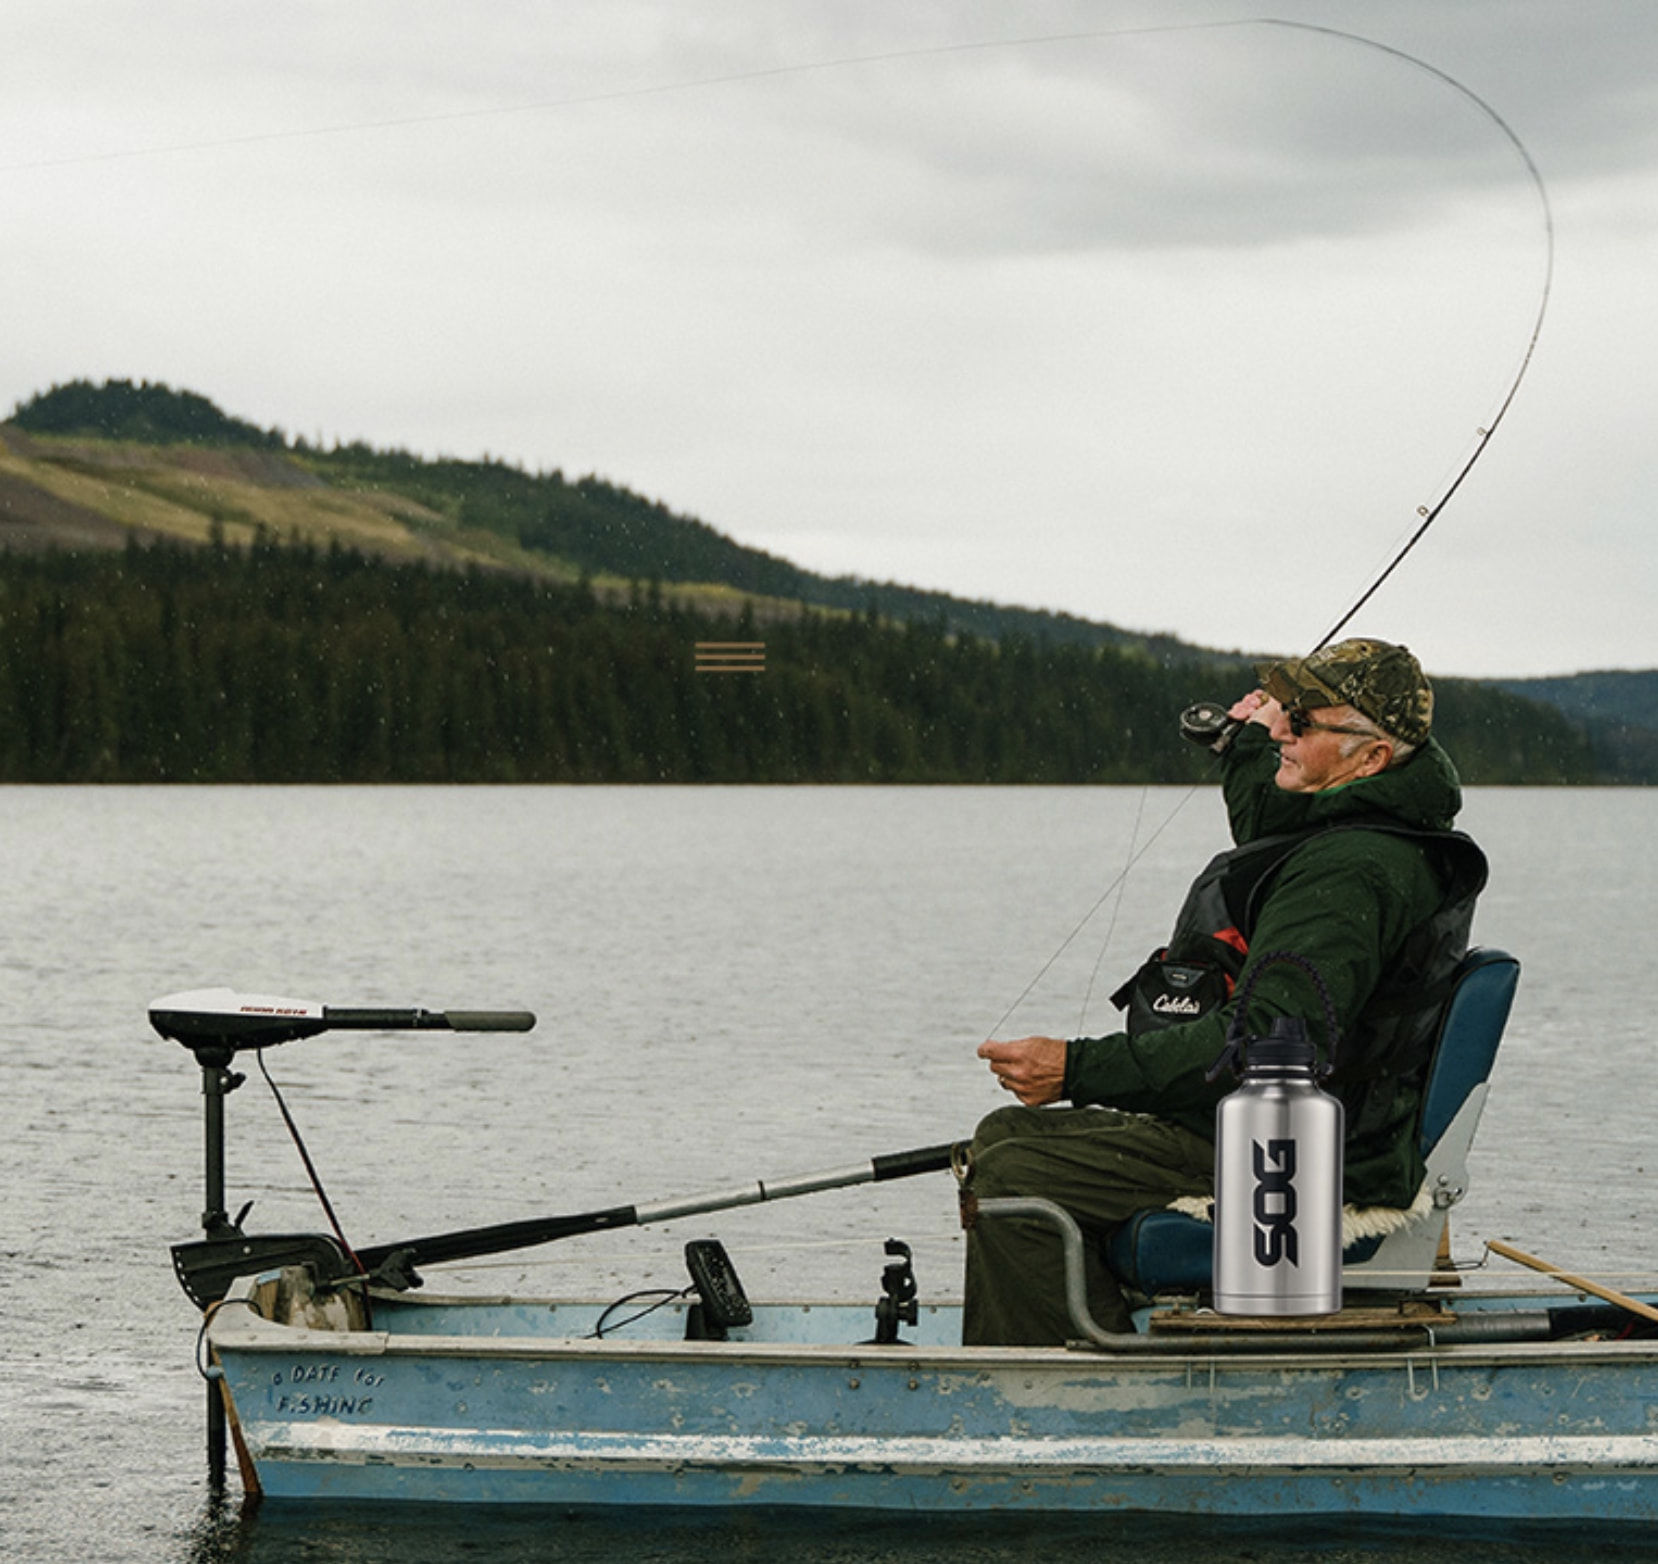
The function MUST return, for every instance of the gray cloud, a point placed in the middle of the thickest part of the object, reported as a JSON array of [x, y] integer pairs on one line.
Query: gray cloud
[[1049, 321]]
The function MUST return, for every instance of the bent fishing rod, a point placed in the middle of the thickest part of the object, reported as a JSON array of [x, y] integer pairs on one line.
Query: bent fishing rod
[[1220, 726], [1430, 512]]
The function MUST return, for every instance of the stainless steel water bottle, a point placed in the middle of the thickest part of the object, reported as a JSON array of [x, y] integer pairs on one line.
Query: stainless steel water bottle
[[1278, 1171]]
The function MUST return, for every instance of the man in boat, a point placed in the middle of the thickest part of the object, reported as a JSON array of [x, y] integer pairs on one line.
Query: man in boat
[[1340, 803]]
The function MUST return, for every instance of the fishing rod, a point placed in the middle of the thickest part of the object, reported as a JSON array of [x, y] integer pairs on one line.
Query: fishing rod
[[471, 1243], [1207, 722], [1430, 513]]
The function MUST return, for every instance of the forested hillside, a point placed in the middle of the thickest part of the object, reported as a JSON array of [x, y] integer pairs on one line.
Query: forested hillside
[[291, 663], [146, 411], [184, 595]]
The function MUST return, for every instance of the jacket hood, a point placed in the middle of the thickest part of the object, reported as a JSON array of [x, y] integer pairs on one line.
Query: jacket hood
[[1424, 792]]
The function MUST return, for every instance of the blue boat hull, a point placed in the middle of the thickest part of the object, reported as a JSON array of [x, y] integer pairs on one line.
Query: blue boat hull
[[507, 1401]]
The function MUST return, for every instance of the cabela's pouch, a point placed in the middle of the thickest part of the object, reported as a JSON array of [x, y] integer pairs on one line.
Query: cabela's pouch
[[1165, 992]]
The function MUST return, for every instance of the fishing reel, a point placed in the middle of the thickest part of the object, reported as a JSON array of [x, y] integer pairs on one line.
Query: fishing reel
[[1208, 723]]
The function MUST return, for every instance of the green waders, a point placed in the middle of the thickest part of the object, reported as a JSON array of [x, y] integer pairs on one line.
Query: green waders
[[1102, 1166]]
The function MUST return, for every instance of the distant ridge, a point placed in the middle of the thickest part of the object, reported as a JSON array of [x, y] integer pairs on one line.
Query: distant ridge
[[1617, 709], [571, 527]]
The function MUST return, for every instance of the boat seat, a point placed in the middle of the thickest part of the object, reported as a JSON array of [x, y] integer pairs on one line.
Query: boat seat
[[1162, 1251]]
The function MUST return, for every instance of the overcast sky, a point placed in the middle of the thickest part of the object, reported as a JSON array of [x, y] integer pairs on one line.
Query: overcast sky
[[1174, 328]]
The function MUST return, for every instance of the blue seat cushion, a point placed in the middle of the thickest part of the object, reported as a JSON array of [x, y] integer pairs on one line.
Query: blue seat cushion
[[1168, 1251]]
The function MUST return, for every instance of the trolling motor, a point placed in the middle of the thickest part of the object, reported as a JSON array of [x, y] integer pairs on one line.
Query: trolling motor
[[216, 1024], [219, 1019]]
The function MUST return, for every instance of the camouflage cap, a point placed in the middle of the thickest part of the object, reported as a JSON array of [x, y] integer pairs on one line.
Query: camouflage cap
[[1381, 680]]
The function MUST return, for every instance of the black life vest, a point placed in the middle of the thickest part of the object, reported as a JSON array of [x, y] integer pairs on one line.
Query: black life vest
[[1196, 972]]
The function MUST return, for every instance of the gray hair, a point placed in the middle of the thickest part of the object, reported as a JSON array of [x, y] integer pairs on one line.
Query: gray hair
[[1368, 732]]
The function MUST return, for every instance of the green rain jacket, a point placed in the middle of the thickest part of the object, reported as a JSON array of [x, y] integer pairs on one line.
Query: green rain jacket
[[1354, 902]]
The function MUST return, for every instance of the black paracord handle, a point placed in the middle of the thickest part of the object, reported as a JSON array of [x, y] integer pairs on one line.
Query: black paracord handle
[[1235, 1032]]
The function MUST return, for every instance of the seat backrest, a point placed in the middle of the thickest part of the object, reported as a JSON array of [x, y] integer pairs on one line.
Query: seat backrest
[[1472, 1027], [1453, 1098]]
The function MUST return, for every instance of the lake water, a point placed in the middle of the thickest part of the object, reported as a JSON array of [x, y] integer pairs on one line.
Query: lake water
[[731, 984]]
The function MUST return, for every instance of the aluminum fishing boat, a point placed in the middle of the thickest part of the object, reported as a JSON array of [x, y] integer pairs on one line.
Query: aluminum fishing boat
[[1513, 1405], [336, 1376]]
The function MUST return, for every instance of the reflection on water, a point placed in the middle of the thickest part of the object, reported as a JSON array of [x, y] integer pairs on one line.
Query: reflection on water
[[415, 1534]]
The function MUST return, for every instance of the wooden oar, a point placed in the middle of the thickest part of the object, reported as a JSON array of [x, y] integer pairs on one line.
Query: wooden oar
[[1581, 1283]]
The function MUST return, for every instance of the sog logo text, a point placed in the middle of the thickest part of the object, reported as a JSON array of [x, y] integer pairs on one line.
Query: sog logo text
[[1275, 1202]]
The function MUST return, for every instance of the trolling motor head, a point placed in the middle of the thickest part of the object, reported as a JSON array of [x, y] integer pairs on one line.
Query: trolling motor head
[[214, 1023], [221, 1021]]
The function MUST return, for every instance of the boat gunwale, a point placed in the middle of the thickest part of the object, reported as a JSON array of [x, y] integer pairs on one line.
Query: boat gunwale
[[239, 1329]]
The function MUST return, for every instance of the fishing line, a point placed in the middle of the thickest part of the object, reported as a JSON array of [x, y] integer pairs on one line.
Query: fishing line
[[1088, 916], [1429, 513], [616, 95], [639, 93], [1116, 909]]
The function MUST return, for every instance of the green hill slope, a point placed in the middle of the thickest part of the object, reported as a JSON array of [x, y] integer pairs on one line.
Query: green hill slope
[[170, 463], [1616, 709]]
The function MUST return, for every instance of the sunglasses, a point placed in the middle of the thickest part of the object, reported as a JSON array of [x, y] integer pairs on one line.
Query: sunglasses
[[1301, 723]]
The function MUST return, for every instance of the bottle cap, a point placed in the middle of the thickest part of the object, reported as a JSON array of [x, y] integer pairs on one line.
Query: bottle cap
[[1285, 1047]]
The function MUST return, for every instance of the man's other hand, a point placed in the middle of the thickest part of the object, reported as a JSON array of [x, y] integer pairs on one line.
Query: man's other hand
[[1032, 1068]]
